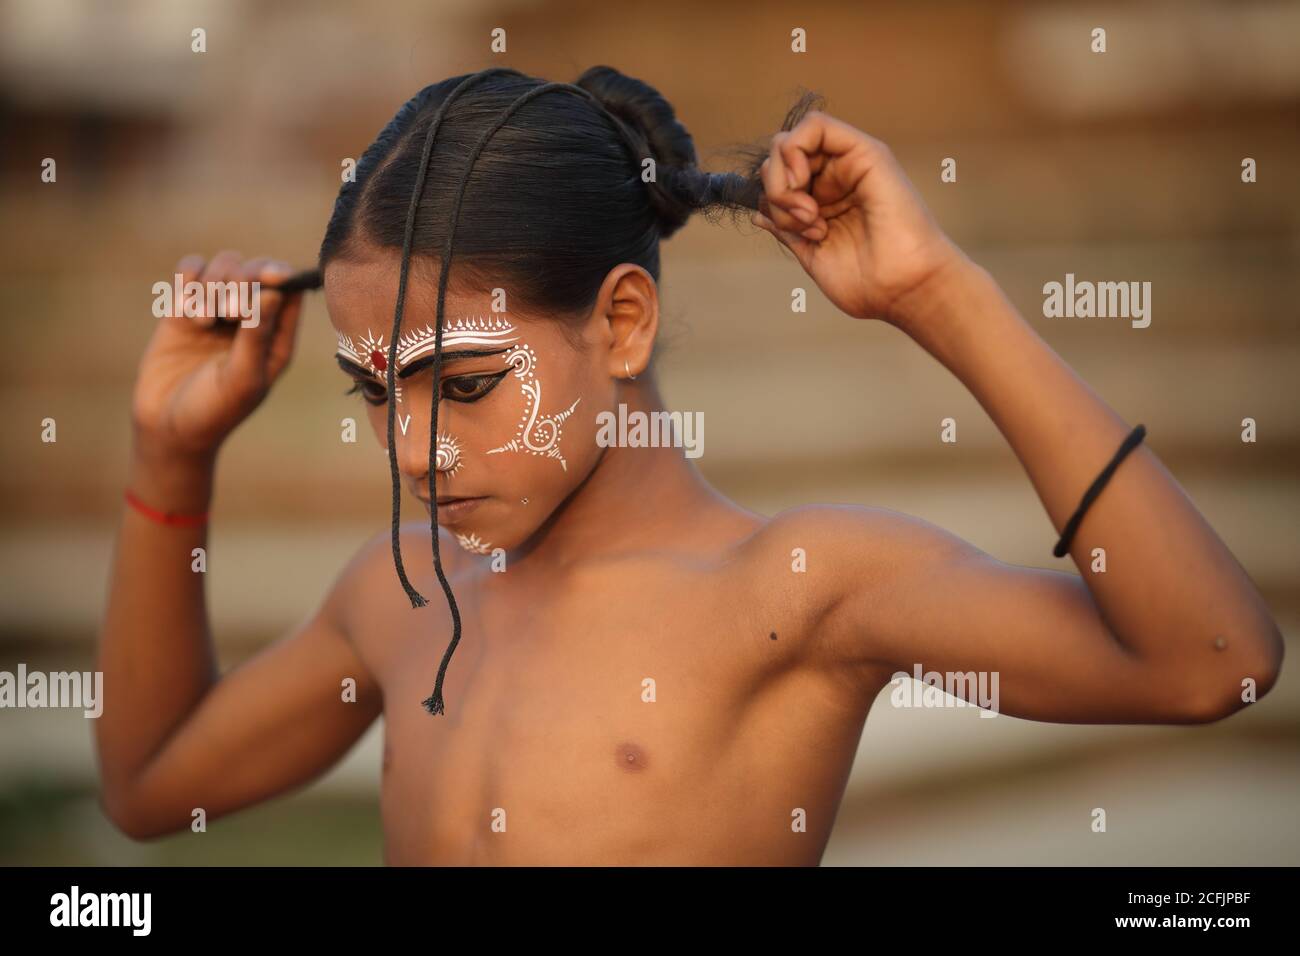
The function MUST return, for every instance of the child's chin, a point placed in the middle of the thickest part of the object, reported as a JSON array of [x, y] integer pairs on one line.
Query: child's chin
[[486, 537], [473, 541], [483, 539]]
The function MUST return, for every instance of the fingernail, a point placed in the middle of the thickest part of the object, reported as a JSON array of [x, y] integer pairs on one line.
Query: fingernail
[[789, 177], [804, 215]]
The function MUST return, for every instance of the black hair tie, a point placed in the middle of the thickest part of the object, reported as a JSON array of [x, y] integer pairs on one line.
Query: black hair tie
[[1089, 496]]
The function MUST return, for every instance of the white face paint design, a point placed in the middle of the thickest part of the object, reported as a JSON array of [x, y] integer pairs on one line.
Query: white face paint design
[[371, 354], [471, 332], [447, 458], [538, 434], [472, 542]]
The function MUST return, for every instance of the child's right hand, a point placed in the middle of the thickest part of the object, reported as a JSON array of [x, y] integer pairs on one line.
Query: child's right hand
[[840, 201], [196, 382]]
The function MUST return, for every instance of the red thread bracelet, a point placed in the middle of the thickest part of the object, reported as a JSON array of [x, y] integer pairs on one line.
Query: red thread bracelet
[[166, 517]]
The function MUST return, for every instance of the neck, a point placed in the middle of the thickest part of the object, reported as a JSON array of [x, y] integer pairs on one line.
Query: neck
[[628, 496]]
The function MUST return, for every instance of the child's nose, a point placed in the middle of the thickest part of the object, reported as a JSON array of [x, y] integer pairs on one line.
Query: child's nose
[[412, 445]]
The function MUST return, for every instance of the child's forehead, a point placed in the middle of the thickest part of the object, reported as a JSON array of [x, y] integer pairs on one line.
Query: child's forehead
[[362, 296], [476, 331]]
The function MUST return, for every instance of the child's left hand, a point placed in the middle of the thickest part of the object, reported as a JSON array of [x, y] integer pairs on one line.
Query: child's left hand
[[865, 236]]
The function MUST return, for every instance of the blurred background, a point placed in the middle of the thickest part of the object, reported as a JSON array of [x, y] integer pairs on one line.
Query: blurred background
[[1122, 166]]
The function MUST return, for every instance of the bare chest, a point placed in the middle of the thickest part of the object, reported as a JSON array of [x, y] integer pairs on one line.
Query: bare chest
[[637, 720]]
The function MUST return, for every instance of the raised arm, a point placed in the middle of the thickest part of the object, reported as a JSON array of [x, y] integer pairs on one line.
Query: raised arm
[[1173, 627], [174, 736]]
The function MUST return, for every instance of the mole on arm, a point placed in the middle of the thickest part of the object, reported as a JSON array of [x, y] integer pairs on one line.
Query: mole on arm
[[630, 756]]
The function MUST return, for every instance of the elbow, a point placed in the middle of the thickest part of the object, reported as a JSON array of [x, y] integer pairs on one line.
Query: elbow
[[1209, 706], [1234, 687], [1270, 667]]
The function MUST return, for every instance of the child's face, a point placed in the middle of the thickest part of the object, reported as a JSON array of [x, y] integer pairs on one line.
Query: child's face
[[517, 416]]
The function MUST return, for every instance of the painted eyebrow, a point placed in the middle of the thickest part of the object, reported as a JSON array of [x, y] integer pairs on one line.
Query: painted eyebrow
[[422, 363], [355, 369]]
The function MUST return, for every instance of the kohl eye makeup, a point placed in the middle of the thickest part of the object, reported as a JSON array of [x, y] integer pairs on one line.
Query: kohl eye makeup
[[360, 386], [482, 386]]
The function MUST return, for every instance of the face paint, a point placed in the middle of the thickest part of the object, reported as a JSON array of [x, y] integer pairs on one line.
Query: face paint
[[471, 332], [472, 542], [368, 352], [371, 354], [537, 434], [448, 458]]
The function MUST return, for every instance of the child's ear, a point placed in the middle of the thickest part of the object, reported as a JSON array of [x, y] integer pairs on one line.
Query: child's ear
[[628, 302]]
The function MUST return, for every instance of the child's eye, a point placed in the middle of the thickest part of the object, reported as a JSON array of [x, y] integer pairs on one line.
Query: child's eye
[[470, 388], [372, 392]]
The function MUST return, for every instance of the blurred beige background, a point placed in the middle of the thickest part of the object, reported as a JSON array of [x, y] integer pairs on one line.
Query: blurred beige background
[[1120, 166]]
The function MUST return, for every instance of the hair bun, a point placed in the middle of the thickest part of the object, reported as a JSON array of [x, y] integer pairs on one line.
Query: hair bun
[[643, 108]]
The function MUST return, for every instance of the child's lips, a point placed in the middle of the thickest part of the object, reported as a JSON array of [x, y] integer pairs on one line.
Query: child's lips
[[455, 507]]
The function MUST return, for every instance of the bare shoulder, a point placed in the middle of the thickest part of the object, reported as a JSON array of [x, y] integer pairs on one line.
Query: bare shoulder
[[829, 540], [837, 573], [370, 575]]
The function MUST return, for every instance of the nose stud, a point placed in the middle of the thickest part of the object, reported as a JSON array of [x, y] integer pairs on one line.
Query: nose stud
[[447, 457]]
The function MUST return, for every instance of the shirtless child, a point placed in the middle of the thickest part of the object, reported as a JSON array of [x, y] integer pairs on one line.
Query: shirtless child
[[648, 681]]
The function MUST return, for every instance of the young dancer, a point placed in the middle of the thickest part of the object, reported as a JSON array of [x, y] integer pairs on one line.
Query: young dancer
[[644, 672]]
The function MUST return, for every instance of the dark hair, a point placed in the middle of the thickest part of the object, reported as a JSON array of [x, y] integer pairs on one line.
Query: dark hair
[[556, 202]]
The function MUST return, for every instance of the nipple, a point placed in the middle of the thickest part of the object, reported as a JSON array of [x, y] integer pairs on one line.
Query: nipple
[[630, 757]]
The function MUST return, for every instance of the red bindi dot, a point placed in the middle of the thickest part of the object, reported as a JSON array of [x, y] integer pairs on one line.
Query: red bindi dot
[[379, 360]]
